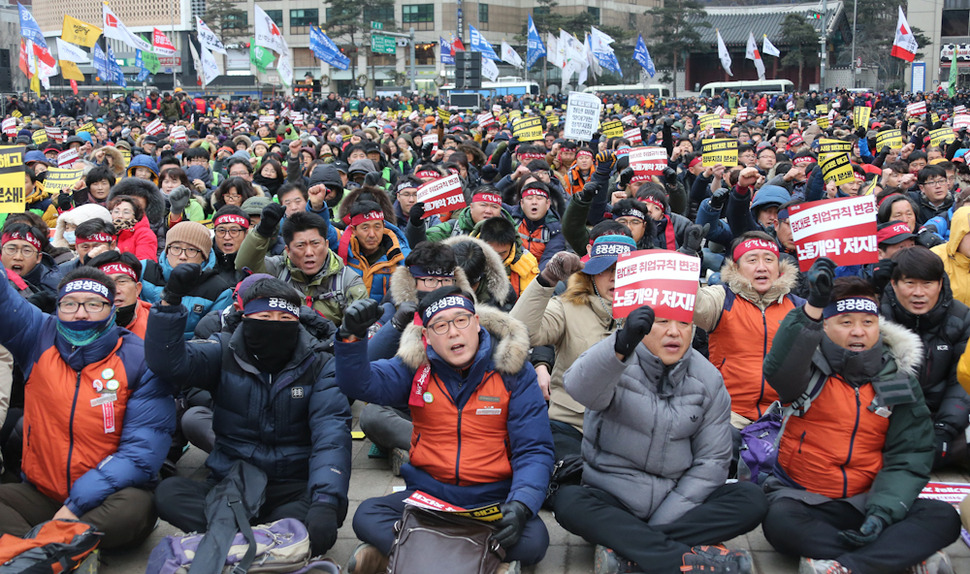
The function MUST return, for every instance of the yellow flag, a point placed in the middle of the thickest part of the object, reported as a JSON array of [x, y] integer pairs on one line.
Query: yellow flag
[[35, 84], [81, 33], [70, 71]]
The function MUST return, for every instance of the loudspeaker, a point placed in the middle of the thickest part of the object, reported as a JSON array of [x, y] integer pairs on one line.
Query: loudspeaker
[[4, 58], [468, 70], [6, 79]]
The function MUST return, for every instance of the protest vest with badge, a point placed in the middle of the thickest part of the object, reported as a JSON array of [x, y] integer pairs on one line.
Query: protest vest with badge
[[468, 445]]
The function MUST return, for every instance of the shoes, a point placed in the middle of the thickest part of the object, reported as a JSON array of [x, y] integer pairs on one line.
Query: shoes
[[367, 559], [938, 563], [376, 452], [509, 568], [608, 562], [814, 566], [399, 457], [716, 560]]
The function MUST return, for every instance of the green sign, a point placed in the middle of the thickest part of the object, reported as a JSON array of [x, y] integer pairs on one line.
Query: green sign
[[383, 44], [375, 25]]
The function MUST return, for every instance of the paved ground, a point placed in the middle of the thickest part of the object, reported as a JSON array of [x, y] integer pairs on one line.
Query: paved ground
[[567, 554]]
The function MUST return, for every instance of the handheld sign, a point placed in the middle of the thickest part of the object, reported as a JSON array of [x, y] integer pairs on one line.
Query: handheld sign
[[154, 127], [613, 129], [916, 109], [891, 138], [942, 136], [432, 139], [647, 162], [719, 151], [827, 146], [39, 137], [442, 195], [837, 167], [710, 122], [665, 280], [633, 135], [782, 124], [10, 126], [12, 192], [59, 179], [742, 114], [485, 119], [527, 129], [961, 121], [821, 109], [67, 158], [844, 230], [822, 122], [860, 116], [55, 134]]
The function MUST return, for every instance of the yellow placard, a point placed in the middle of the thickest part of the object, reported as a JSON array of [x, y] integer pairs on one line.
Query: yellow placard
[[81, 33], [59, 179], [612, 129], [515, 114], [722, 151], [860, 116], [552, 119], [12, 179], [821, 109], [822, 122], [782, 124], [891, 138], [827, 146], [837, 168], [88, 127], [527, 129], [710, 122], [16, 114], [942, 136], [39, 137], [444, 115]]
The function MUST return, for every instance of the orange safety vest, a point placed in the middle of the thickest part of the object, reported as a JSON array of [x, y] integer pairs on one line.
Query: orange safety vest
[[463, 446], [535, 241], [139, 324]]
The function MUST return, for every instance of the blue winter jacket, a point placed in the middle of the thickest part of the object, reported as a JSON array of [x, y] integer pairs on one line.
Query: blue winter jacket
[[214, 293]]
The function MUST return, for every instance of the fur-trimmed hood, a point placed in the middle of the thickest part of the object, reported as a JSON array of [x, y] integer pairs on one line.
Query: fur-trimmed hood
[[76, 217], [510, 341], [496, 281], [119, 165], [905, 347], [731, 276], [155, 211], [405, 289]]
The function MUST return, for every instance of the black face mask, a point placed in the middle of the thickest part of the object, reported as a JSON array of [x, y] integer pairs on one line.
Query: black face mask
[[125, 315], [270, 342]]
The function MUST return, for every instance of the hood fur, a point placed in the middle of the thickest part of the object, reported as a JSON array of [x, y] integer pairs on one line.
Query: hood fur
[[120, 166], [905, 346], [156, 201], [495, 278], [731, 276], [510, 341], [404, 288], [76, 217]]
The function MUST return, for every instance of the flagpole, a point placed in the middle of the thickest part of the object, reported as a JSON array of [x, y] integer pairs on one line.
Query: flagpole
[[855, 9]]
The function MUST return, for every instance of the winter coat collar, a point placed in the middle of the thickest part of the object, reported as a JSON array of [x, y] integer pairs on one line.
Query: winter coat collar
[[732, 278]]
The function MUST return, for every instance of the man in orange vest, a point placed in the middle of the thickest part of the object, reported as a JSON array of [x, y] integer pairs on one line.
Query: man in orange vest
[[481, 432]]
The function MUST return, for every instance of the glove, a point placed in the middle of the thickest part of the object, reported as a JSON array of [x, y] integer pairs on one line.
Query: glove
[[588, 192], [882, 273], [693, 238], [426, 151], [513, 143], [404, 315], [560, 267], [670, 175], [928, 239], [637, 325], [943, 436], [604, 162], [720, 198], [866, 534], [321, 524], [44, 300], [510, 526], [416, 213], [373, 179], [272, 214], [183, 279], [625, 177], [64, 202], [359, 317], [179, 199], [821, 278]]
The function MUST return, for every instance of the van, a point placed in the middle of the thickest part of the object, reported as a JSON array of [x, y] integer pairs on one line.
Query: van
[[757, 86]]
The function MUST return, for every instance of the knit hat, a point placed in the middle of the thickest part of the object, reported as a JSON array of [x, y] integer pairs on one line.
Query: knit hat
[[193, 233]]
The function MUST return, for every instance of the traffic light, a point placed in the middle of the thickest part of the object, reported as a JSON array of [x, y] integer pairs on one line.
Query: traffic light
[[468, 70], [815, 15]]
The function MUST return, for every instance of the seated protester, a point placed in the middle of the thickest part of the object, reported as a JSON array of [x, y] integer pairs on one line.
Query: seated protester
[[307, 461], [521, 266], [654, 481], [270, 176], [229, 225], [177, 189], [572, 323], [919, 298], [934, 197], [22, 249], [83, 463], [891, 238], [741, 316], [134, 232], [369, 193], [93, 188], [189, 242], [405, 197], [588, 206], [581, 172], [486, 203], [308, 264], [143, 167], [505, 458], [124, 269], [327, 187], [670, 227], [955, 254], [37, 199], [294, 198], [92, 237], [858, 450], [152, 203], [484, 270], [539, 227], [635, 216], [65, 232], [372, 247], [761, 214], [233, 191]]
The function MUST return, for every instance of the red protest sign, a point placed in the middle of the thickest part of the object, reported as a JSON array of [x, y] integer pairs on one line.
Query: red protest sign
[[67, 158], [844, 230], [916, 109], [633, 135], [647, 162], [665, 280], [442, 195], [154, 127]]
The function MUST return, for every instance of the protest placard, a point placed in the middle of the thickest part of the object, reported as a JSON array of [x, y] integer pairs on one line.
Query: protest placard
[[719, 151], [891, 138], [88, 127], [822, 122], [742, 114], [647, 162], [782, 124], [827, 146], [527, 129], [432, 139], [488, 513], [633, 135], [613, 129], [664, 280], [942, 136], [837, 167], [55, 134], [916, 109], [860, 116], [443, 115], [12, 199], [710, 122], [961, 121], [154, 127], [60, 179], [10, 126], [821, 109], [844, 230], [442, 195], [39, 137], [949, 492], [67, 158], [485, 119], [178, 134]]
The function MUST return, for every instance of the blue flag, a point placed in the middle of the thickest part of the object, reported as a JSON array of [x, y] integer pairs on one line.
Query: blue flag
[[480, 44], [535, 49], [642, 56], [29, 28], [100, 62], [115, 74], [608, 61], [447, 52], [324, 49]]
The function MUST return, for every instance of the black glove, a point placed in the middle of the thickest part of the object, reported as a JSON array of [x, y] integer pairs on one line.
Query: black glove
[[321, 524], [510, 526], [670, 175], [44, 300], [861, 132], [928, 239], [625, 176], [426, 151], [416, 213], [513, 143], [882, 273], [270, 218], [588, 192], [404, 315], [359, 317], [181, 281], [64, 201], [693, 238], [605, 160], [638, 323], [373, 179], [867, 533], [179, 199], [821, 278], [720, 198]]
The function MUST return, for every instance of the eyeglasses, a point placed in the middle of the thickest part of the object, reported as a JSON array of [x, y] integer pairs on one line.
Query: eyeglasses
[[71, 307], [11, 250], [935, 182], [188, 251], [460, 322], [231, 195], [434, 282], [229, 231], [408, 195], [122, 212], [238, 173]]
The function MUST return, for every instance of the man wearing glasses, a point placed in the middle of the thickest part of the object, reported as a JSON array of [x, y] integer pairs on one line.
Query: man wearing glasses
[[934, 197], [98, 423], [22, 253], [481, 432], [230, 225]]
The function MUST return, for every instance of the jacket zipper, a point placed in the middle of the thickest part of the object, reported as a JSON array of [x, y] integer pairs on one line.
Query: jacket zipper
[[848, 458], [70, 430], [458, 453], [764, 355]]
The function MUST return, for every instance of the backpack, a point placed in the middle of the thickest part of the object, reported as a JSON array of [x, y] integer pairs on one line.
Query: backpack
[[50, 547]]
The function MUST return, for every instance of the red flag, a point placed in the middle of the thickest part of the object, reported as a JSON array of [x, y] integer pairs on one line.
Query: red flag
[[22, 64], [160, 40], [904, 45], [74, 86], [457, 45], [44, 55]]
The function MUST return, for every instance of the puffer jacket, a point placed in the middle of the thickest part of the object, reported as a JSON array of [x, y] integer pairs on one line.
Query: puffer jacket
[[376, 275], [213, 293], [956, 264], [655, 437], [927, 210], [140, 240], [494, 288], [44, 276], [294, 425], [944, 331], [541, 238]]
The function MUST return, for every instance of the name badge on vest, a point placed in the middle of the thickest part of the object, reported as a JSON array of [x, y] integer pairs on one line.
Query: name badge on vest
[[489, 410]]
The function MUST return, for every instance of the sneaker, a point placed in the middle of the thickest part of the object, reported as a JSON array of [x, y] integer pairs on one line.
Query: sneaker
[[376, 452], [814, 566], [608, 562], [716, 560], [367, 559], [938, 563], [399, 457]]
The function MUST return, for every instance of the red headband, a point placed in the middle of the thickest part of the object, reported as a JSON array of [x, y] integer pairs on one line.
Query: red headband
[[531, 156], [654, 202], [803, 160], [119, 269], [695, 161], [94, 238], [584, 152], [858, 176], [487, 198], [16, 235], [752, 245], [231, 218], [429, 173], [534, 191], [365, 217]]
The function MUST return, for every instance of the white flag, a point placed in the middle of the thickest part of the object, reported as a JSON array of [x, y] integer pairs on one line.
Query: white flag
[[115, 29], [71, 53], [511, 56], [210, 69], [196, 61], [600, 41], [553, 55], [768, 48], [489, 69], [285, 68], [267, 33], [751, 53], [208, 38], [904, 45], [723, 54]]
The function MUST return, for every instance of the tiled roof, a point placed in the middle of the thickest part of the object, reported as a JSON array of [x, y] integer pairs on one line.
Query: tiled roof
[[736, 22]]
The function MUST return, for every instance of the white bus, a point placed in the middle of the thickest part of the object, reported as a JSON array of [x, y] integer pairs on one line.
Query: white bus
[[503, 87], [759, 87], [658, 90]]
